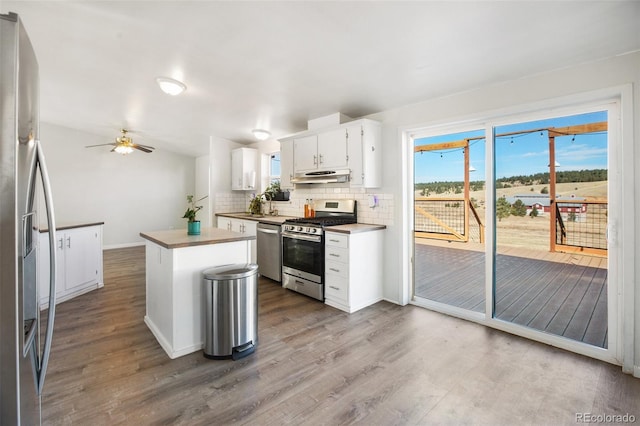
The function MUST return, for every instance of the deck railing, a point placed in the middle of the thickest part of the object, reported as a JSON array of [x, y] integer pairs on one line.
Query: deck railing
[[453, 219], [581, 226]]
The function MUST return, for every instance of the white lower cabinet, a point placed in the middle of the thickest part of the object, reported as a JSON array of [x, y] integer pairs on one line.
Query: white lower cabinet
[[79, 266], [353, 269], [249, 227]]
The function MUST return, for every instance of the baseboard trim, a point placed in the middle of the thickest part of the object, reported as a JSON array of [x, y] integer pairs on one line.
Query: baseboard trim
[[164, 343], [125, 245]]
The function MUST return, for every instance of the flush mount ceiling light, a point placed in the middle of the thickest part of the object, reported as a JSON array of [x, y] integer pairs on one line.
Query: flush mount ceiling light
[[171, 86], [261, 134]]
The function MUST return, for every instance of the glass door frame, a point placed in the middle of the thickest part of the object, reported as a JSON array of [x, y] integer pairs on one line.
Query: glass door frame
[[617, 103]]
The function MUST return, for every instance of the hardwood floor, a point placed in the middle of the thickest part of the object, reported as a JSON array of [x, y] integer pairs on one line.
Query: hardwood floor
[[314, 365]]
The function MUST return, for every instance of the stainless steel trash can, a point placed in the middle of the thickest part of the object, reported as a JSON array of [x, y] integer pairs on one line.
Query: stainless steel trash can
[[231, 311]]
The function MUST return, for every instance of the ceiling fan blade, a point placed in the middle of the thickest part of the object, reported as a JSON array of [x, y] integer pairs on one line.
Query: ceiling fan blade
[[142, 148], [145, 146], [102, 144]]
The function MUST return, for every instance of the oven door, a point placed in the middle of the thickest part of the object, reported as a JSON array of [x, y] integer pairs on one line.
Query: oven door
[[303, 256]]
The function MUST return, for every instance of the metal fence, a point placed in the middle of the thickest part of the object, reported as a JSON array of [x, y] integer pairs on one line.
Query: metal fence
[[447, 219], [582, 229]]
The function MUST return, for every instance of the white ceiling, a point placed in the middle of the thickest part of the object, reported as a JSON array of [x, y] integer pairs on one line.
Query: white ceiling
[[274, 65]]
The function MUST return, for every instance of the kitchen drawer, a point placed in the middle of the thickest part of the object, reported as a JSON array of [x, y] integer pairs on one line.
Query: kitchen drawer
[[336, 288], [336, 240], [337, 254], [336, 268]]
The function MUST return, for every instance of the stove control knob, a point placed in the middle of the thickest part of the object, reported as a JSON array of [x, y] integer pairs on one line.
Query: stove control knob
[[314, 230], [299, 228]]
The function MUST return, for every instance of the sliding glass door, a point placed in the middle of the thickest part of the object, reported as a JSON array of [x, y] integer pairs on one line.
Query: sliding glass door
[[449, 216], [510, 225], [551, 215]]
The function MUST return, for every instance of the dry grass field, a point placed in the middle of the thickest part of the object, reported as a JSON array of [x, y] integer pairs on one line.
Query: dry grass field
[[528, 232]]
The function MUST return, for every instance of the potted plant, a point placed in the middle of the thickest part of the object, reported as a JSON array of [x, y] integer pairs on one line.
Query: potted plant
[[193, 225], [275, 193], [255, 205]]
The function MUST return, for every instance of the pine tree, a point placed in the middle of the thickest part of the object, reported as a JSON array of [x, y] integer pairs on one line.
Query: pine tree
[[503, 208], [518, 208]]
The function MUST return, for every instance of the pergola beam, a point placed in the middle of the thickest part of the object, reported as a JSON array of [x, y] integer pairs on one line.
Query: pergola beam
[[579, 129]]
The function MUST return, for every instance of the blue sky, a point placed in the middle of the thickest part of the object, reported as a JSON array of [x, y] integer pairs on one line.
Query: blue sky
[[523, 154]]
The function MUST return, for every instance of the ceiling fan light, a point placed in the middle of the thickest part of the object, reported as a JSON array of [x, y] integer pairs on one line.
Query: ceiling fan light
[[171, 86], [123, 149], [261, 134]]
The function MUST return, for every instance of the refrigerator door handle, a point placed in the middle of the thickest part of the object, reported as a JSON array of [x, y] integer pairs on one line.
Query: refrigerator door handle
[[52, 265]]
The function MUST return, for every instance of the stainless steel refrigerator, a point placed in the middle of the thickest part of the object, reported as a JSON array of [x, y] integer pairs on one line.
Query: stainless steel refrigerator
[[25, 336]]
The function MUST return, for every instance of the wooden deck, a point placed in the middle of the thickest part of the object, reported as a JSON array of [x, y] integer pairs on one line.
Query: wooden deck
[[565, 295]]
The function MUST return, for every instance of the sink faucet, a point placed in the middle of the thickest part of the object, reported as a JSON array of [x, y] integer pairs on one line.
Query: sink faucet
[[272, 212]]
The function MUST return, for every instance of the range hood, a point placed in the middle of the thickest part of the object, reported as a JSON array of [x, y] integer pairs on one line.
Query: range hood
[[322, 176]]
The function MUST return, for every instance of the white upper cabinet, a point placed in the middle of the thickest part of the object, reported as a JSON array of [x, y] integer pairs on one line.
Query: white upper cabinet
[[244, 163], [354, 146], [332, 149], [363, 144], [305, 153], [322, 151]]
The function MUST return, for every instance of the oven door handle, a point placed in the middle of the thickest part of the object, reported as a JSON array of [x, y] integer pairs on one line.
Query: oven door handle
[[312, 238]]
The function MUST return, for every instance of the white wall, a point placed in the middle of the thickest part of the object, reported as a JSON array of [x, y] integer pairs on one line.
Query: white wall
[[129, 193], [222, 198], [203, 188]]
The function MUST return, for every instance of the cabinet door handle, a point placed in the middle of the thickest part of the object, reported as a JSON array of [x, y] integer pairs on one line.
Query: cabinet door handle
[[315, 160], [68, 242], [61, 244], [321, 159]]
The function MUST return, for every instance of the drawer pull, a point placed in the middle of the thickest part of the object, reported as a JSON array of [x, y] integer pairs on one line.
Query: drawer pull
[[334, 287], [334, 241], [334, 255], [334, 269]]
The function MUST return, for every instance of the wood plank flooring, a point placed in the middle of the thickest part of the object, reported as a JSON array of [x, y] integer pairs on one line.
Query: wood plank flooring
[[383, 365], [563, 298]]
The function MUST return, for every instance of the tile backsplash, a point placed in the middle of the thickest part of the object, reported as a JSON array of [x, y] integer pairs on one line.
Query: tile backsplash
[[382, 214]]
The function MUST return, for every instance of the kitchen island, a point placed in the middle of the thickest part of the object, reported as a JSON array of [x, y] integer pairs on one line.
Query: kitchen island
[[174, 289]]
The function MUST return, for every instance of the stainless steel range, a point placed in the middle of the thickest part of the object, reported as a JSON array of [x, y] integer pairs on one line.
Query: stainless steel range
[[303, 245]]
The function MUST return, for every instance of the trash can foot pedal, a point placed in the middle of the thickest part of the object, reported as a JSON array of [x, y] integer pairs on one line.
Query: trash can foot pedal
[[243, 350]]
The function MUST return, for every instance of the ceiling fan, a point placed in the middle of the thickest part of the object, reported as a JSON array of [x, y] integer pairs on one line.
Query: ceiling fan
[[124, 145]]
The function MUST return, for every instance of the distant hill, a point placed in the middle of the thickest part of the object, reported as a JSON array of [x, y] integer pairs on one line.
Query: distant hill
[[595, 175]]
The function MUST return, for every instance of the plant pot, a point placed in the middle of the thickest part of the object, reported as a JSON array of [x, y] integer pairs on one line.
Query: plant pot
[[193, 228], [281, 196]]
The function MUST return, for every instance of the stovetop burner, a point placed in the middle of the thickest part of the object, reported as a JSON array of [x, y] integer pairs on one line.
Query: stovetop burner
[[323, 221]]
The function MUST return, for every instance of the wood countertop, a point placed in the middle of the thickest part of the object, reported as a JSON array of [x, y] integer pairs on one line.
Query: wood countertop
[[354, 228], [278, 220], [178, 238], [275, 220], [62, 227]]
